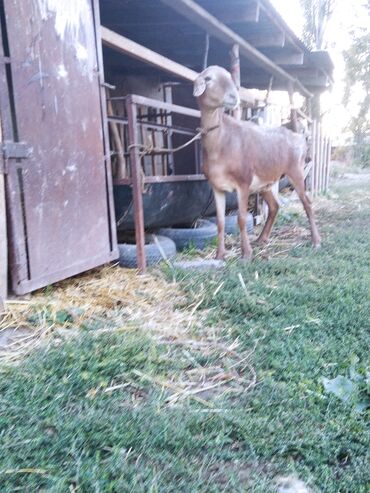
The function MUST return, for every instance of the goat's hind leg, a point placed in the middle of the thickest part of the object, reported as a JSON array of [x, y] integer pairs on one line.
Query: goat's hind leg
[[297, 179], [220, 200], [243, 195], [273, 206]]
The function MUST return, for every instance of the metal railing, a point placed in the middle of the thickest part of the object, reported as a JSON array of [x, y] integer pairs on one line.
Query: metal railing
[[136, 169]]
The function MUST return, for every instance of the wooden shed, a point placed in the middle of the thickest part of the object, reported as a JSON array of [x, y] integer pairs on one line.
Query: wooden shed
[[84, 83]]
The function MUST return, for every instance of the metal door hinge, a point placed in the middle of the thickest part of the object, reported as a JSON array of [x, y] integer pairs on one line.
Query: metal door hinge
[[16, 150], [12, 150]]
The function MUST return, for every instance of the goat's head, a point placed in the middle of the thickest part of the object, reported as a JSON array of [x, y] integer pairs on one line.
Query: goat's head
[[215, 88]]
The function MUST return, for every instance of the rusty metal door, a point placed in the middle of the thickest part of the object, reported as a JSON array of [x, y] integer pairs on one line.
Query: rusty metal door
[[59, 193]]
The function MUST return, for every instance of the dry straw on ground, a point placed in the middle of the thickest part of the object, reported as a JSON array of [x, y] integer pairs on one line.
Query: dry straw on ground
[[119, 299], [110, 297]]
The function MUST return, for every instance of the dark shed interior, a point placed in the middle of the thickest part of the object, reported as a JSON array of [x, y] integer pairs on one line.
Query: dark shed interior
[[153, 24]]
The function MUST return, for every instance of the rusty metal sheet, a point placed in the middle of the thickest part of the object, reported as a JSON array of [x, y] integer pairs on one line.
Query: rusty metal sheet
[[59, 198]]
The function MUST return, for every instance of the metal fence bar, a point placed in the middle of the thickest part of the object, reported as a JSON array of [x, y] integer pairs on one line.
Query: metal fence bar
[[325, 167], [317, 160], [313, 157], [325, 162], [136, 174], [321, 157], [321, 162], [328, 164]]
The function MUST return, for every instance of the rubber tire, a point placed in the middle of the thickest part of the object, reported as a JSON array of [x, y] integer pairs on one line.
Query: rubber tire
[[199, 236], [127, 251], [232, 226], [284, 183]]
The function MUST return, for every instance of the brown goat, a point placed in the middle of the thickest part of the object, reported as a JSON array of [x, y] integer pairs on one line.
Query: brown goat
[[242, 156]]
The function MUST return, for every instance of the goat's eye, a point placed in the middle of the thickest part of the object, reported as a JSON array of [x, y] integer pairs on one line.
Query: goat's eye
[[207, 79]]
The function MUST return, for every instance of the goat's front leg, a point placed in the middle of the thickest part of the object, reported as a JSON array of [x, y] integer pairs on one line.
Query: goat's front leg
[[273, 206], [243, 196], [220, 200]]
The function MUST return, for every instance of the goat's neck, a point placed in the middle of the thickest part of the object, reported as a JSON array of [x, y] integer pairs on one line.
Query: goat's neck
[[211, 118]]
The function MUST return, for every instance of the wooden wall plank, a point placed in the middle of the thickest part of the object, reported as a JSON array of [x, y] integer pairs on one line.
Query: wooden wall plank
[[3, 244]]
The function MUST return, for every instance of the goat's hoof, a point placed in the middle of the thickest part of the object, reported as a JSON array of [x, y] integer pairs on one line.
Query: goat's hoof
[[221, 256], [246, 257], [316, 243], [262, 241]]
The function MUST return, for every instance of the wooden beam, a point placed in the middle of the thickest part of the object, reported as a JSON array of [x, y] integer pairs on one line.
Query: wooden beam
[[202, 18], [135, 50], [304, 72], [153, 103], [320, 82], [296, 58], [249, 12], [272, 39]]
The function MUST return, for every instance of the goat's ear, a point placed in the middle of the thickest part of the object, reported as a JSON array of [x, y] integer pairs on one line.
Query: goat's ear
[[199, 86]]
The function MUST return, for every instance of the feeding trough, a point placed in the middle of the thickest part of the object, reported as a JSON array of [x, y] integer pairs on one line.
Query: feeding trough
[[168, 203]]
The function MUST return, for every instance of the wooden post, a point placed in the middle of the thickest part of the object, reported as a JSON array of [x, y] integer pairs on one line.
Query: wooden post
[[326, 177], [322, 170], [317, 156], [235, 74], [321, 158], [328, 159], [121, 168], [325, 154], [293, 111], [313, 157], [315, 106], [137, 185], [328, 164]]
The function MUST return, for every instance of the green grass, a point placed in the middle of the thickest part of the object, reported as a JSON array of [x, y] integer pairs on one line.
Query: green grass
[[306, 315]]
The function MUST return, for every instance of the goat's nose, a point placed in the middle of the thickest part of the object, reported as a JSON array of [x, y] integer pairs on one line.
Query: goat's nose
[[232, 100]]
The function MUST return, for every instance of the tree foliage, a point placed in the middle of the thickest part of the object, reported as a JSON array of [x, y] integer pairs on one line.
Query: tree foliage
[[357, 60], [317, 14]]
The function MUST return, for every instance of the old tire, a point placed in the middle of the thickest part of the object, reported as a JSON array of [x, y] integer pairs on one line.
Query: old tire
[[284, 182], [231, 223], [199, 236], [127, 251]]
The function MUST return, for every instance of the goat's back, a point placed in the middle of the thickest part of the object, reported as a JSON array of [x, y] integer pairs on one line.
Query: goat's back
[[265, 148]]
